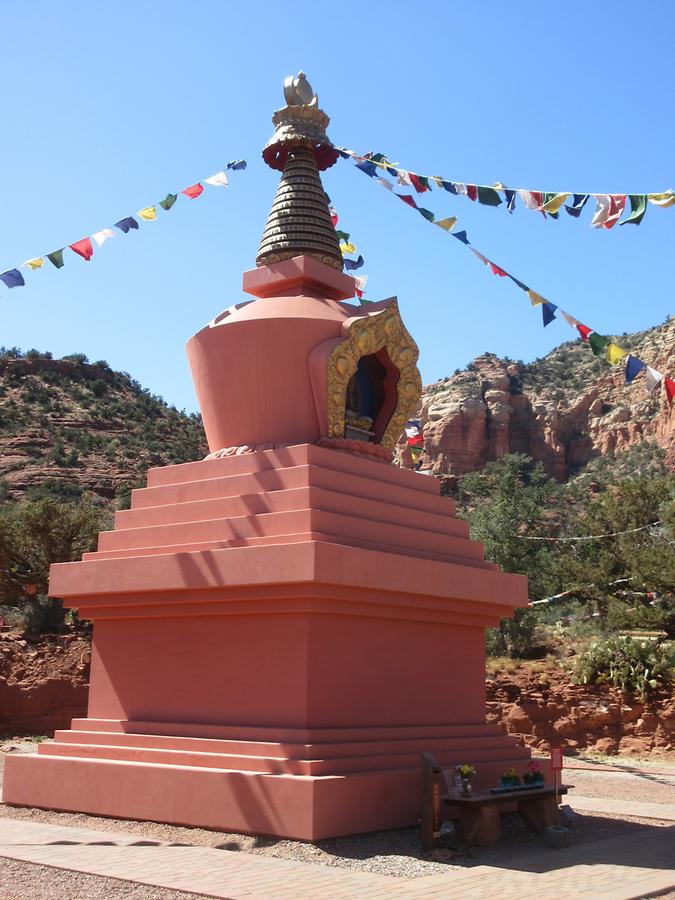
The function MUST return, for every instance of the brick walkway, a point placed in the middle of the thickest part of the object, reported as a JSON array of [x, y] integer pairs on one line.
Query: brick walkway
[[615, 869]]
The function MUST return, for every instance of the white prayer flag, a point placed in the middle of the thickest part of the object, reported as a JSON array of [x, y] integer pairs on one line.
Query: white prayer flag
[[652, 379], [602, 210], [102, 236], [217, 180], [529, 201], [571, 321], [385, 183], [360, 281]]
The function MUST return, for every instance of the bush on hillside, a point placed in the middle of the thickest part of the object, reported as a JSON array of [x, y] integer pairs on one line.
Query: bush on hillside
[[635, 666]]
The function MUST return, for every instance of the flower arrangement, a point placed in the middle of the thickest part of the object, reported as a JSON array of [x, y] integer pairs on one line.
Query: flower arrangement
[[534, 775], [465, 770], [510, 778]]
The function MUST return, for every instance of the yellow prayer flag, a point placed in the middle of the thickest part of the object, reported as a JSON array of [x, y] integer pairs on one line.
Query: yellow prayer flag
[[667, 198], [438, 181], [447, 224], [36, 263], [346, 248], [149, 213], [535, 298], [615, 353], [555, 203]]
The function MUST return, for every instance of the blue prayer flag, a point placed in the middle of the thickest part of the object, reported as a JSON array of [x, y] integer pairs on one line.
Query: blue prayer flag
[[126, 224], [351, 264], [520, 284], [368, 167], [12, 278], [548, 314], [449, 186], [578, 203], [342, 153], [237, 164], [510, 199], [633, 367], [461, 236]]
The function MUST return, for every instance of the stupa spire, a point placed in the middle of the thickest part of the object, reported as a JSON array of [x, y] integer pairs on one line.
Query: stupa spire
[[299, 221]]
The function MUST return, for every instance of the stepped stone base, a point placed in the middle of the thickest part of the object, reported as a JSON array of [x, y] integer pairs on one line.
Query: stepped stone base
[[278, 637]]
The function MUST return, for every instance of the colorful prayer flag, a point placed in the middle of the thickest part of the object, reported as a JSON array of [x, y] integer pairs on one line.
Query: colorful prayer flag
[[83, 248], [495, 269], [652, 379], [368, 167], [547, 312], [461, 236], [418, 183], [237, 164], [669, 385], [578, 203], [615, 353], [472, 191], [535, 298], [217, 180], [583, 330], [193, 191], [616, 208], [149, 213], [342, 235], [168, 201], [127, 224], [488, 196], [347, 247], [403, 177], [553, 205], [427, 213], [102, 236], [352, 264], [598, 343], [633, 368], [447, 224], [638, 207], [602, 210], [56, 258], [360, 281], [36, 263], [12, 278], [385, 183], [510, 199], [667, 198], [449, 187], [407, 198]]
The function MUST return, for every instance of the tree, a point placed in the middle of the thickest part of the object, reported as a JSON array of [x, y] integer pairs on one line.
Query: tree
[[508, 501], [34, 534]]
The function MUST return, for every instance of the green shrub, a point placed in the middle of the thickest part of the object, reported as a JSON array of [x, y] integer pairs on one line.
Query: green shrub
[[635, 666]]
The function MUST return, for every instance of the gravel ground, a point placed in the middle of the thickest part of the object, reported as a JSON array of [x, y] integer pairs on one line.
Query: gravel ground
[[388, 852], [24, 881]]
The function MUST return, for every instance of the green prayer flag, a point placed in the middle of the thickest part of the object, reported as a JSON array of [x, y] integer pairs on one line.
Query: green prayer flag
[[638, 207], [598, 343], [488, 196], [168, 201], [56, 258], [343, 235], [427, 213], [425, 181], [549, 195]]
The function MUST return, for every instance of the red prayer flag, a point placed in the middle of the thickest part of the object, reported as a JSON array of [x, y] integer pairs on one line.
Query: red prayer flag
[[417, 184], [497, 271], [583, 330], [670, 390], [83, 248], [193, 191], [616, 206], [359, 293], [408, 199], [471, 191], [538, 197]]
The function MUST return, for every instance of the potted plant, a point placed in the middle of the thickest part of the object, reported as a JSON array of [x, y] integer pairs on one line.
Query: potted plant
[[465, 771], [534, 775], [510, 778]]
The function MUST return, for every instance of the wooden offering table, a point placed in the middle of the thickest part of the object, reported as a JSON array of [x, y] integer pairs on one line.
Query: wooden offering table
[[479, 815]]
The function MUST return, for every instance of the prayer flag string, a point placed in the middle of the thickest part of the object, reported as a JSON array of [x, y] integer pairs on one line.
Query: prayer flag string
[[85, 248], [609, 208], [600, 345]]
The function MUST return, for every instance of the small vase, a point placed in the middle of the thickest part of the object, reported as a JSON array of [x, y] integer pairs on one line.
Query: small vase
[[466, 787]]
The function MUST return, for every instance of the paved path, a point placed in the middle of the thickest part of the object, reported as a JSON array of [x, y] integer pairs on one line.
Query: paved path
[[619, 868]]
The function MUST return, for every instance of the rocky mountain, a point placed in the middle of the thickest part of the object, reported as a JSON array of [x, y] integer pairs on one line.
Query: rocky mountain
[[566, 409], [68, 426]]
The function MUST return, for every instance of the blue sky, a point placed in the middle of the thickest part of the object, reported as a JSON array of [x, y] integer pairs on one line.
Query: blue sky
[[107, 107]]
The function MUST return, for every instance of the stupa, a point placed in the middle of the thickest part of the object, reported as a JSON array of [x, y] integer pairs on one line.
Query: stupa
[[281, 629]]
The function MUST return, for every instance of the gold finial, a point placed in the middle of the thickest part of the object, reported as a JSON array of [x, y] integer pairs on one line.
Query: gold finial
[[300, 221]]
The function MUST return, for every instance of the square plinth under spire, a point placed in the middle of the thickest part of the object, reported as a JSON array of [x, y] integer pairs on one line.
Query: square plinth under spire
[[278, 636]]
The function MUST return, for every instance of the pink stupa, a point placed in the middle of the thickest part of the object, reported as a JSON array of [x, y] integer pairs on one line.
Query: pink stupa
[[281, 629]]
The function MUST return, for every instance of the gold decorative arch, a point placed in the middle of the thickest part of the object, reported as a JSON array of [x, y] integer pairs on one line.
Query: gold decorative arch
[[366, 335]]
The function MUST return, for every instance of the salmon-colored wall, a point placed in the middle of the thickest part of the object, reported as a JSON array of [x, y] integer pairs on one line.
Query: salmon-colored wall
[[288, 670]]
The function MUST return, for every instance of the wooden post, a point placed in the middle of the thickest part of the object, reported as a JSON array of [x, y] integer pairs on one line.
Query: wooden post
[[430, 819]]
